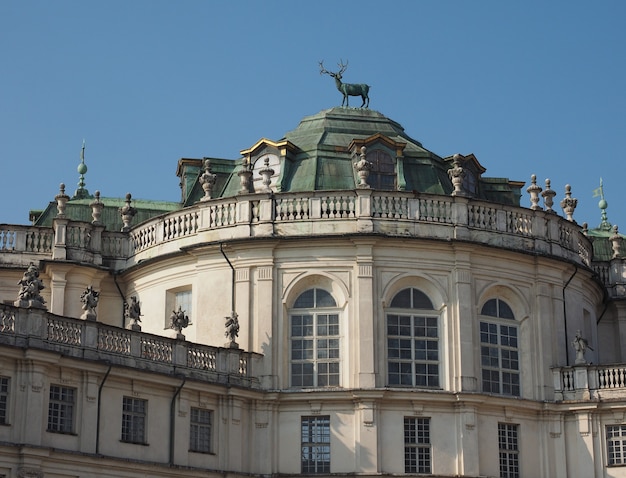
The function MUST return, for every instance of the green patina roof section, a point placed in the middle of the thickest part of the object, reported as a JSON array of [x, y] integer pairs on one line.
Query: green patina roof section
[[79, 210], [324, 161]]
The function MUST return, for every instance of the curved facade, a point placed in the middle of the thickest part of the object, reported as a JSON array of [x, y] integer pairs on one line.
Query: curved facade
[[398, 313]]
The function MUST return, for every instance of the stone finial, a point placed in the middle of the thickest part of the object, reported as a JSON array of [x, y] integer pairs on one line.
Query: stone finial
[[232, 330], [548, 197], [362, 167], [534, 192], [568, 203], [266, 173], [127, 212], [89, 298], [132, 313], [616, 243], [207, 180], [585, 230], [81, 192], [178, 321], [457, 174], [30, 288], [61, 200], [96, 208], [245, 173]]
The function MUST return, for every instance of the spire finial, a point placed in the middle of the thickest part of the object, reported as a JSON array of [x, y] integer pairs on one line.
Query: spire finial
[[81, 192], [603, 205]]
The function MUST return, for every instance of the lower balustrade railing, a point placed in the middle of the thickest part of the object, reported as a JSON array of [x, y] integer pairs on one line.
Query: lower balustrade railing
[[87, 339], [589, 381]]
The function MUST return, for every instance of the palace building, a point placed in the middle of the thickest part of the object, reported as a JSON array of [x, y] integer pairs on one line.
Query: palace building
[[340, 301]]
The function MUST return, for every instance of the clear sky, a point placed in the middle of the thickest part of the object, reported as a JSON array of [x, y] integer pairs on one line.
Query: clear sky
[[529, 87]]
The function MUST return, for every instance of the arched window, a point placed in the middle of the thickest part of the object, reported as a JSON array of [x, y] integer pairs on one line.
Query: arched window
[[412, 340], [314, 343], [499, 355], [383, 171]]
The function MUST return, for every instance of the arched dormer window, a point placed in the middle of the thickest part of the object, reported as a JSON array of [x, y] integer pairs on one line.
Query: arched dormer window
[[412, 340], [383, 171], [314, 340], [499, 354]]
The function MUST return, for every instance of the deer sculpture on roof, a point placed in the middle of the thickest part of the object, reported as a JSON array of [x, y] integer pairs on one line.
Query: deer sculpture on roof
[[347, 89]]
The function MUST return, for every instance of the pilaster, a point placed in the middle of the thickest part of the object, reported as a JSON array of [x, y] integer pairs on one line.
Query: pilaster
[[365, 345]]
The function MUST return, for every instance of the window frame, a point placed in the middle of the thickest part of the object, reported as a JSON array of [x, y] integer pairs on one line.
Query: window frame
[[315, 444], [611, 460], [5, 395], [61, 409], [423, 356], [319, 361], [417, 445], [134, 421], [496, 334], [200, 430], [508, 450]]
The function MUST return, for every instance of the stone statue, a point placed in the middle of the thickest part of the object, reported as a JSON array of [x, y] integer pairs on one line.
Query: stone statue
[[89, 298], [179, 321], [347, 89], [132, 312], [30, 286], [232, 330], [580, 345]]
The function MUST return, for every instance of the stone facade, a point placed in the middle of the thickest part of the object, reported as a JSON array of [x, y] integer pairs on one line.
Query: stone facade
[[380, 332]]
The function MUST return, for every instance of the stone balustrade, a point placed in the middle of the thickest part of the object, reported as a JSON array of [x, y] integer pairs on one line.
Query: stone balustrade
[[39, 329], [361, 211], [589, 382]]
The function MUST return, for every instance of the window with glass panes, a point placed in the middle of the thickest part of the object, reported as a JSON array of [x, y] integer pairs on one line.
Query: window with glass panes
[[314, 340], [417, 448], [412, 340], [4, 400], [616, 444], [61, 409], [508, 446], [134, 420], [499, 355], [315, 444], [201, 421], [382, 171]]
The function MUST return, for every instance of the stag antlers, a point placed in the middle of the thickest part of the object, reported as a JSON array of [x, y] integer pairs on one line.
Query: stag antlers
[[341, 66]]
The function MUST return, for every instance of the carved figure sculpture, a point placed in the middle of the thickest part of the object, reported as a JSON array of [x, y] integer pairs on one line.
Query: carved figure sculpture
[[232, 328], [347, 89], [132, 312], [89, 298], [30, 286], [178, 320], [580, 345]]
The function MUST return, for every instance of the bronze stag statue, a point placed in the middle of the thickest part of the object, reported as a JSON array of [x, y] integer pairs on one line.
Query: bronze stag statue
[[348, 89]]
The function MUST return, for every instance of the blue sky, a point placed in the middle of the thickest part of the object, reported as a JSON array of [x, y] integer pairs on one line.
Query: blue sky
[[530, 87]]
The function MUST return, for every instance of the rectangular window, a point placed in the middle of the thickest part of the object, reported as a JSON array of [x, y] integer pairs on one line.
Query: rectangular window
[[134, 420], [417, 449], [413, 350], [200, 430], [315, 350], [499, 358], [508, 446], [616, 444], [315, 433], [4, 400], [61, 409]]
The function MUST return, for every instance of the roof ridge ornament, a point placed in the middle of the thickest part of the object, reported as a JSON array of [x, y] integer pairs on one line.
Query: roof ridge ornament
[[81, 192], [605, 225], [347, 89]]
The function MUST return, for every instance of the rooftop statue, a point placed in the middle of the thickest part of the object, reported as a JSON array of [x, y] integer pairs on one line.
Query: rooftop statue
[[348, 89], [30, 286], [178, 321], [132, 312], [89, 298]]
